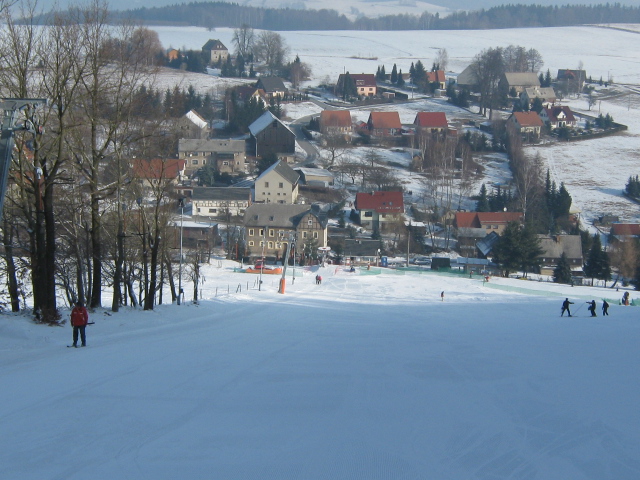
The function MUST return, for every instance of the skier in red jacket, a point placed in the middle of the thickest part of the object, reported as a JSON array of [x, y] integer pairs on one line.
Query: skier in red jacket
[[79, 320]]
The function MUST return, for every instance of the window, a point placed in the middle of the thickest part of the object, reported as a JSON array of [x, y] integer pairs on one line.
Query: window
[[212, 210], [310, 222], [304, 234], [281, 185], [266, 184], [270, 244], [368, 214], [315, 234], [272, 232], [262, 244], [262, 232], [251, 232], [251, 243], [194, 162]]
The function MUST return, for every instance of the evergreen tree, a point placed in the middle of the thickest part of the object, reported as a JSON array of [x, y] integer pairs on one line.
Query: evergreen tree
[[394, 74], [517, 249], [562, 272], [483, 202], [400, 81], [547, 79], [596, 265]]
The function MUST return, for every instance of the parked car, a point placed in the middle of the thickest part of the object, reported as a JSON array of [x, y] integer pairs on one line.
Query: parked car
[[421, 261]]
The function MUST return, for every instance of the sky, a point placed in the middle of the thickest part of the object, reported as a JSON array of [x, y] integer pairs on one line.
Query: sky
[[368, 375]]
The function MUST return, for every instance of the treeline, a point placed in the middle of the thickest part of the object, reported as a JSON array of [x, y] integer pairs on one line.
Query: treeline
[[219, 14]]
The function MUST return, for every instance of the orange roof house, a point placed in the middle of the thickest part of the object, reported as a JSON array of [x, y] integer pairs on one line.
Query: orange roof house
[[529, 124], [379, 209], [384, 124], [437, 77], [431, 121], [157, 169], [489, 221], [335, 122]]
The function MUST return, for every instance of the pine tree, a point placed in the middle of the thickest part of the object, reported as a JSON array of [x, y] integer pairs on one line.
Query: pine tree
[[595, 265], [547, 79], [483, 202], [562, 272], [394, 74], [400, 81]]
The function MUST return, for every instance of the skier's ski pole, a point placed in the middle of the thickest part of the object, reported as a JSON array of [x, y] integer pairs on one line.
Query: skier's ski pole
[[577, 309]]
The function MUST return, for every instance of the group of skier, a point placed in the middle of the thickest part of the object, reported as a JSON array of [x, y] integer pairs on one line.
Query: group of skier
[[591, 307]]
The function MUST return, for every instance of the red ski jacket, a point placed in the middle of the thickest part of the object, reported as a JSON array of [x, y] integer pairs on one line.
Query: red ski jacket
[[79, 316]]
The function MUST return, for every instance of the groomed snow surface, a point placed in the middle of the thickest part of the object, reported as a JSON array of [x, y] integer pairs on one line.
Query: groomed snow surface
[[362, 377]]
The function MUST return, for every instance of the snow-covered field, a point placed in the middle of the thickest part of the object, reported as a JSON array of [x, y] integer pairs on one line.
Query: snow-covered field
[[363, 376]]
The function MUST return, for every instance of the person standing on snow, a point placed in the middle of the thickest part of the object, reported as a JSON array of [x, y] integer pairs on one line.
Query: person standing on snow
[[79, 320], [592, 308], [605, 308], [442, 296], [565, 307]]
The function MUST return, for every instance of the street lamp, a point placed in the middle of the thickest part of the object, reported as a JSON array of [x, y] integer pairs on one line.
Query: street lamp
[[181, 205]]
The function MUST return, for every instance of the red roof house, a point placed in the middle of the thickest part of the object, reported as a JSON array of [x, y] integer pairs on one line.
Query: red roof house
[[558, 116], [384, 124], [335, 122], [437, 77], [156, 169], [379, 209]]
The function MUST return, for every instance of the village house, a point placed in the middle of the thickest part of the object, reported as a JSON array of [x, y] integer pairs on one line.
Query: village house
[[558, 116], [554, 246], [172, 54], [220, 202], [315, 177], [158, 172], [384, 124], [215, 51], [438, 78], [245, 93], [277, 184], [432, 122], [364, 84], [472, 228], [362, 251], [197, 237], [624, 232], [379, 211], [192, 125], [335, 122], [528, 124], [572, 79], [546, 94], [273, 87], [228, 155], [517, 82], [269, 228], [272, 137], [468, 79]]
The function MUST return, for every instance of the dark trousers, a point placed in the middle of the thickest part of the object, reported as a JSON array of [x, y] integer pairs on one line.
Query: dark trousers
[[83, 337]]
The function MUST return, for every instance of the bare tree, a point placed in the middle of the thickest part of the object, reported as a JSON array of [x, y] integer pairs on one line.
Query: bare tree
[[271, 49], [488, 66], [442, 59], [243, 39]]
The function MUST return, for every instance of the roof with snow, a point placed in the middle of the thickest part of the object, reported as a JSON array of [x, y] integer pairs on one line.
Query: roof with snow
[[554, 246], [282, 169], [196, 119], [266, 119], [522, 79], [559, 113], [217, 145], [221, 193]]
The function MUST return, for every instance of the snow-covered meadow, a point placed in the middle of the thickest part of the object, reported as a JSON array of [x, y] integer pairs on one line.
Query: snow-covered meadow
[[363, 376]]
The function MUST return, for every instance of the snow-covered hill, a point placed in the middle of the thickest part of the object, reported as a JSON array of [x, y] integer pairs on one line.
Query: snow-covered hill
[[363, 376]]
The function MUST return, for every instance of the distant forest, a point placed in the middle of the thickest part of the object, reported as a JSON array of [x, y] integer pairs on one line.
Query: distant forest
[[219, 14]]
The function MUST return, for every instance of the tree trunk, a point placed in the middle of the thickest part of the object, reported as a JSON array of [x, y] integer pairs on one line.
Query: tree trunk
[[12, 281]]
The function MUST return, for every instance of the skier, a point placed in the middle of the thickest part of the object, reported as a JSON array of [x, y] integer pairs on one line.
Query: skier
[[605, 308], [565, 307], [79, 320], [442, 296], [625, 298], [592, 308], [319, 279]]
